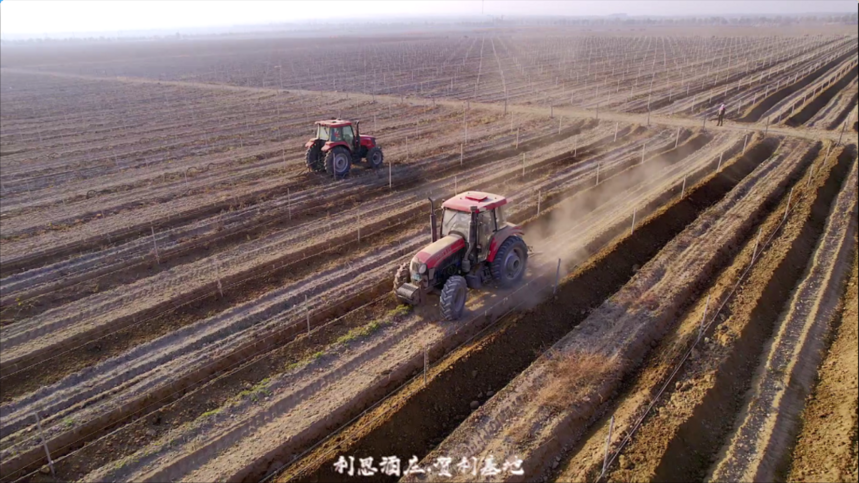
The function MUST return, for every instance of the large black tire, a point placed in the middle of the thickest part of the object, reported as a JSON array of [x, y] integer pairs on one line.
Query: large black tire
[[508, 266], [338, 162], [453, 295], [375, 158], [313, 158], [401, 277]]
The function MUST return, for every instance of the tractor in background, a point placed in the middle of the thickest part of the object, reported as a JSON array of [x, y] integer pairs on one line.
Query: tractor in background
[[338, 145], [475, 247]]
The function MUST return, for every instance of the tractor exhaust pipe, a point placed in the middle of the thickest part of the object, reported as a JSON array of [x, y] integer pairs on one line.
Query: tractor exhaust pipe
[[433, 220]]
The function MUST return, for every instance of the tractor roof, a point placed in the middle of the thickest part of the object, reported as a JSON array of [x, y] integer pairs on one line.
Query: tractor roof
[[478, 199], [334, 123]]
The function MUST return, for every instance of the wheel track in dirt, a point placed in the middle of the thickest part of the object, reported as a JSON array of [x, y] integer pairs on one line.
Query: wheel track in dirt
[[386, 282]]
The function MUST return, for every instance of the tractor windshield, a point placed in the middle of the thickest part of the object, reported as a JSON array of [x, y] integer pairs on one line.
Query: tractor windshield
[[322, 133], [455, 221]]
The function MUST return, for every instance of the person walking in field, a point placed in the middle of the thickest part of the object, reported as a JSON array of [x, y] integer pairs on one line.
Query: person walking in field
[[721, 114]]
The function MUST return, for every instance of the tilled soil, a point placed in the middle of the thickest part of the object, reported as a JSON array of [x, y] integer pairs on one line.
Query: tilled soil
[[676, 441], [767, 425], [378, 364], [826, 445], [536, 435], [236, 273], [209, 327]]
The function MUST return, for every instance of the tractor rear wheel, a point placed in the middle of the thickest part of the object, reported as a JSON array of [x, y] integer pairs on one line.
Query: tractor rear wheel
[[338, 162], [453, 295], [313, 158], [402, 276], [509, 263], [375, 158]]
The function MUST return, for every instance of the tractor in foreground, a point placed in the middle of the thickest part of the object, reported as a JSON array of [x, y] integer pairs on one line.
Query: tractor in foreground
[[475, 247], [338, 145]]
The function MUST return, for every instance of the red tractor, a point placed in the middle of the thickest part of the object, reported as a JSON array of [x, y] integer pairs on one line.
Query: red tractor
[[337, 145], [475, 247]]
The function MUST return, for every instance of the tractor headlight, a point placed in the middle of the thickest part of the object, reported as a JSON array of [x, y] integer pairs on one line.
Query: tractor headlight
[[423, 269]]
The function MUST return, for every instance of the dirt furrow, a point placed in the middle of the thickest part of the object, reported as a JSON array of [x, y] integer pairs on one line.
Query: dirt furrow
[[386, 280], [822, 99], [418, 417], [758, 448], [568, 386], [826, 445], [676, 440], [206, 273], [217, 233], [209, 326], [229, 466]]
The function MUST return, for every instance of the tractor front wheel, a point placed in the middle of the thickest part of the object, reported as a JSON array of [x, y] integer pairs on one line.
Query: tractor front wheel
[[338, 162], [313, 158], [402, 276], [509, 263], [453, 295], [375, 158]]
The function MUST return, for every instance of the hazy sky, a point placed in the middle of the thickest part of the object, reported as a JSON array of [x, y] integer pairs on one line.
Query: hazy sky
[[47, 16]]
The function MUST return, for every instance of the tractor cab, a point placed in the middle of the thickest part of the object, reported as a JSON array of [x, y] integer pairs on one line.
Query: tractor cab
[[338, 145], [337, 132], [475, 216]]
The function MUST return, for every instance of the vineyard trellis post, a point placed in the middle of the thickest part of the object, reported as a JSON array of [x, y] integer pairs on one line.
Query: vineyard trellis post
[[703, 318], [632, 227], [307, 312], [44, 443], [607, 444], [557, 278], [755, 249], [155, 245], [426, 362]]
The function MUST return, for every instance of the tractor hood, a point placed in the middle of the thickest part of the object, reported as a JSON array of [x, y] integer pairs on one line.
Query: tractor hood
[[368, 141], [437, 251]]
